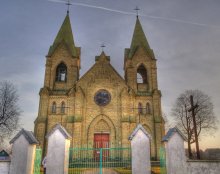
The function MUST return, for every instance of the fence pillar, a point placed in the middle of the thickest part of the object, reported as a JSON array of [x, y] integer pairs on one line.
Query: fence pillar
[[58, 151], [175, 153], [23, 153], [140, 149]]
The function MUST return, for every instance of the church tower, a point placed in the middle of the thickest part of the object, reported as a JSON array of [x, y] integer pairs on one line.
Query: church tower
[[141, 77], [140, 63], [61, 74]]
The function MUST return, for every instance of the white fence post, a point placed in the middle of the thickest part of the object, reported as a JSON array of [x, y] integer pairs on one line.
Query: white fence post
[[140, 149], [175, 152], [57, 158], [23, 153]]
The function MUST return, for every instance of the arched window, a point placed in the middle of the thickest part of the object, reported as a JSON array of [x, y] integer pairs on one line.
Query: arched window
[[148, 109], [141, 74], [62, 109], [54, 107], [61, 73], [140, 109]]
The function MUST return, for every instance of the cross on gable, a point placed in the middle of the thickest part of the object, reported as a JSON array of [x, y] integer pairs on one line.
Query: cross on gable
[[103, 46], [137, 9]]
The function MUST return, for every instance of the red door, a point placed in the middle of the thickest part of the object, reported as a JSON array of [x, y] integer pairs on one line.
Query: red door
[[101, 140]]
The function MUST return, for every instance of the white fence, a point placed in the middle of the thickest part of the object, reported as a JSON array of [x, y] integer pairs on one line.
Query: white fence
[[58, 138], [176, 161], [4, 166]]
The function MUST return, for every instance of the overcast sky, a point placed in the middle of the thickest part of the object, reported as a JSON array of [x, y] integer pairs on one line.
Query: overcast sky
[[185, 37]]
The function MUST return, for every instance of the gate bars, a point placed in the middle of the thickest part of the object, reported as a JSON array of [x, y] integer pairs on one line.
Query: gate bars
[[37, 160], [97, 160]]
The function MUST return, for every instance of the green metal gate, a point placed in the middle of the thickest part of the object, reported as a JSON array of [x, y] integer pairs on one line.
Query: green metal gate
[[99, 160], [162, 161], [37, 160]]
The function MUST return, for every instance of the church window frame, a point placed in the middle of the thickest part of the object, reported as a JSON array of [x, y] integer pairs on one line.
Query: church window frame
[[54, 108], [63, 108], [148, 108], [102, 97], [142, 74], [140, 108], [61, 72]]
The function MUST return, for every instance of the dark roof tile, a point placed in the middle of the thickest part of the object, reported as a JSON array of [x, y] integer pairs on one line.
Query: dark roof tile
[[61, 129], [29, 136]]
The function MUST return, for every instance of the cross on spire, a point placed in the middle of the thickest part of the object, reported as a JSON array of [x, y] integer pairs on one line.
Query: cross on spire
[[103, 46], [137, 9], [68, 6]]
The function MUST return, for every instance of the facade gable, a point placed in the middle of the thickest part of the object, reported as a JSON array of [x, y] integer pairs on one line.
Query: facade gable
[[101, 72]]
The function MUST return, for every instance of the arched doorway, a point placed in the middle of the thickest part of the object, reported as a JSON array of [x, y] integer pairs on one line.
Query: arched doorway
[[101, 126], [101, 134]]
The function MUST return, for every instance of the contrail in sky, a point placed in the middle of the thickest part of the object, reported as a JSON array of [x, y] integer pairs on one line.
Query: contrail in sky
[[130, 13]]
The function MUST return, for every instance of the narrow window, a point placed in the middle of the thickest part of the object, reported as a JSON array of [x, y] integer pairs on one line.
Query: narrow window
[[54, 107], [62, 109], [140, 109], [61, 73], [142, 74], [148, 109]]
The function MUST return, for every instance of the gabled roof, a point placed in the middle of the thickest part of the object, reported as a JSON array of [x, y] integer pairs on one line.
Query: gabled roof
[[98, 58], [139, 127], [171, 132], [139, 40], [29, 136], [65, 36], [61, 129]]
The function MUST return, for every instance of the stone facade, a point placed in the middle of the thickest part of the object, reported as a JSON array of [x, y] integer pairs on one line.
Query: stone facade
[[69, 100]]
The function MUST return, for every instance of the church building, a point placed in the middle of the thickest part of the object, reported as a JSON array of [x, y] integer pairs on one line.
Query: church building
[[100, 108]]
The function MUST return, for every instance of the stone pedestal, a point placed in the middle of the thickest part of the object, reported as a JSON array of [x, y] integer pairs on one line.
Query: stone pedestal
[[23, 153], [58, 151], [140, 147]]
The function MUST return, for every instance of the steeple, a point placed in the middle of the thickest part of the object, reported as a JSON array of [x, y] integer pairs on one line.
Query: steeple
[[65, 36], [139, 39]]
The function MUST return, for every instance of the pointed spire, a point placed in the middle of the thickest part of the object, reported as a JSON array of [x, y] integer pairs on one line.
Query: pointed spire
[[64, 35], [139, 39]]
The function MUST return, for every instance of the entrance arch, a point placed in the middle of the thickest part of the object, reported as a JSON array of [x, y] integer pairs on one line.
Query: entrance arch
[[103, 129]]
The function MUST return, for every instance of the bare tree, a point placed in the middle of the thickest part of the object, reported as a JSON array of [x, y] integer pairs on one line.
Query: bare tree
[[204, 115], [9, 110]]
